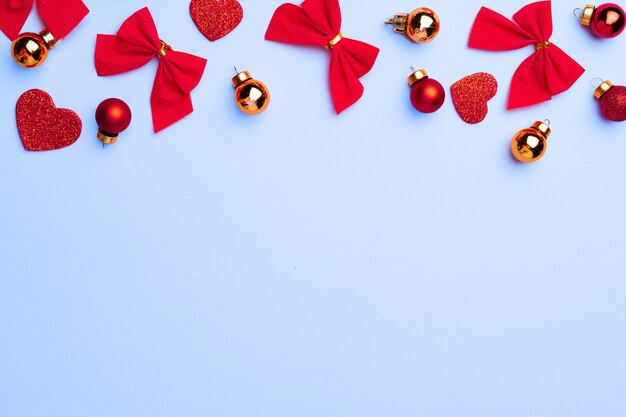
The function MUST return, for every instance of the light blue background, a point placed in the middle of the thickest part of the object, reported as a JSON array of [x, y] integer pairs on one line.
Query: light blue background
[[380, 263]]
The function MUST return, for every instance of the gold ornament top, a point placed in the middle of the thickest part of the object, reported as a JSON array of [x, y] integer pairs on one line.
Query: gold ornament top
[[416, 76], [241, 77], [48, 38], [399, 22], [334, 41], [602, 89], [587, 16], [543, 128]]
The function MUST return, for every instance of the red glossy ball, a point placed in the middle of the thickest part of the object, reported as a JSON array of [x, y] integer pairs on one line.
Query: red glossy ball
[[427, 95], [613, 104], [113, 116], [607, 20]]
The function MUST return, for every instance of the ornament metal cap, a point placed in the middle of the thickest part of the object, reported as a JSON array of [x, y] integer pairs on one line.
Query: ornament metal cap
[[241, 77], [399, 22], [587, 15], [106, 138], [48, 38], [416, 76], [543, 128], [602, 89]]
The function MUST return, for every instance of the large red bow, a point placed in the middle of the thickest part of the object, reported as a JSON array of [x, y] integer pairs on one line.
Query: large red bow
[[136, 43], [60, 16], [318, 23], [547, 72]]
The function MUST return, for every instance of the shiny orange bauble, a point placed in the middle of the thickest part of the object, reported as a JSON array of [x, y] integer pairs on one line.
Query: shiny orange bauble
[[421, 25], [30, 49], [252, 96], [529, 145], [113, 117]]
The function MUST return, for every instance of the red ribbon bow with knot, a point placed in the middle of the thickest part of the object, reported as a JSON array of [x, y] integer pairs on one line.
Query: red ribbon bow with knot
[[318, 23], [547, 72], [135, 44], [60, 16]]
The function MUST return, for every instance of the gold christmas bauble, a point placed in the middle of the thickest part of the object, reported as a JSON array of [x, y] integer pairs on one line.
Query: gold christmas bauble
[[252, 96], [30, 49], [529, 145], [421, 25]]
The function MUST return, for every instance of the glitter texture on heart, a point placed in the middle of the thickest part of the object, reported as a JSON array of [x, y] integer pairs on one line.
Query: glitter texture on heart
[[42, 126], [216, 18], [471, 94]]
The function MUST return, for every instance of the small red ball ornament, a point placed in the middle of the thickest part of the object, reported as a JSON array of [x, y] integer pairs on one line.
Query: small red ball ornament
[[612, 99], [604, 21], [113, 117], [427, 94]]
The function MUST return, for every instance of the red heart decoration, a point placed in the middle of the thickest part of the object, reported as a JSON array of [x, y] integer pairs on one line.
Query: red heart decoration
[[43, 127], [216, 18], [471, 94]]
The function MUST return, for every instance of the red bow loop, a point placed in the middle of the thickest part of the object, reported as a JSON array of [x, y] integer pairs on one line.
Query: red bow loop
[[135, 44], [493, 32], [318, 23], [536, 20], [547, 72], [60, 16]]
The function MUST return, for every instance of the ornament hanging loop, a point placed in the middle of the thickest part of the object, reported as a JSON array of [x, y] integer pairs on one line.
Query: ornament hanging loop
[[596, 82], [577, 12]]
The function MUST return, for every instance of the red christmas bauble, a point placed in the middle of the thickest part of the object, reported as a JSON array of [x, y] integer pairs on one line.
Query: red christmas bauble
[[608, 20], [427, 95], [613, 103], [113, 116]]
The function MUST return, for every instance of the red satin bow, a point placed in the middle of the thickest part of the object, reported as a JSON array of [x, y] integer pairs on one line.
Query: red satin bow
[[318, 23], [547, 72], [60, 16], [136, 43]]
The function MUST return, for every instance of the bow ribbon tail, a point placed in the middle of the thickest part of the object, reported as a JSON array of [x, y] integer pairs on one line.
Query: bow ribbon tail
[[561, 70], [178, 73], [541, 76], [13, 15], [529, 84], [350, 60], [61, 16]]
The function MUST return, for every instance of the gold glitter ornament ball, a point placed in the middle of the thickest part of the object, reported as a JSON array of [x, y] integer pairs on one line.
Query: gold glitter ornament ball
[[30, 49], [252, 96], [529, 145]]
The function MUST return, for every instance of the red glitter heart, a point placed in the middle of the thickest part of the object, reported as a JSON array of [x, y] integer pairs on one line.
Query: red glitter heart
[[43, 127], [216, 18], [471, 94]]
